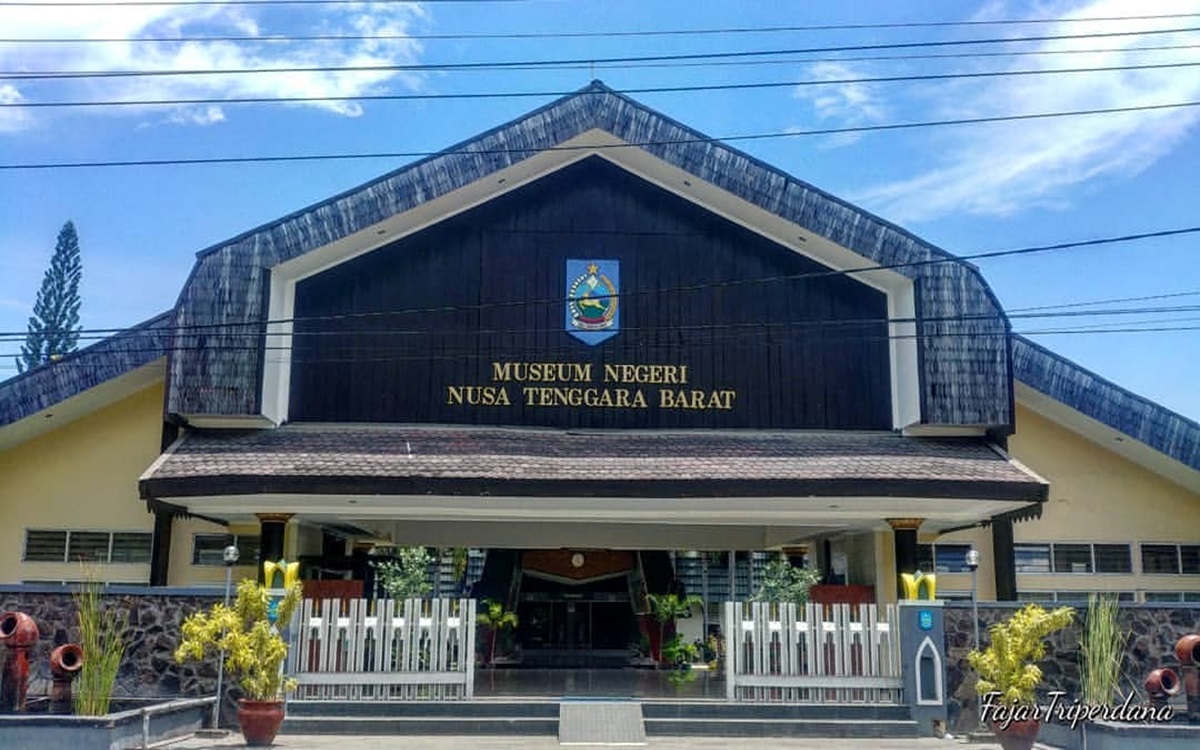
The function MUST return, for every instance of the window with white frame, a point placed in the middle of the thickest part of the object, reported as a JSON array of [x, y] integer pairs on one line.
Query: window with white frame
[[943, 558], [1171, 559], [1073, 557], [209, 549], [57, 545]]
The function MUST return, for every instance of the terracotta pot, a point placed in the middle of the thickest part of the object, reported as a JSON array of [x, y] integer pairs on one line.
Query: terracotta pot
[[1187, 649], [1162, 683], [1018, 735], [260, 721], [18, 630]]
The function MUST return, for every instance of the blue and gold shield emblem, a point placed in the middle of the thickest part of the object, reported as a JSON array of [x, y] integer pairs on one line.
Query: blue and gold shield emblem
[[593, 314]]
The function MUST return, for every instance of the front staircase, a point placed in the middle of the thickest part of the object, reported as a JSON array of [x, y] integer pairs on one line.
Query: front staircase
[[532, 716]]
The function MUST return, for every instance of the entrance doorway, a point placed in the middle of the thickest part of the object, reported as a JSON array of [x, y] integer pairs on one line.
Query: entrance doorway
[[575, 624]]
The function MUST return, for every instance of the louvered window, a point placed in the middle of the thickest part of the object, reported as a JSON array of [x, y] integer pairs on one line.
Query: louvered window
[[45, 546], [87, 546], [129, 547]]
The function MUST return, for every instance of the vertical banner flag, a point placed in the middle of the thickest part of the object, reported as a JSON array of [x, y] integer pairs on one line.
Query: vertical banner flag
[[592, 311]]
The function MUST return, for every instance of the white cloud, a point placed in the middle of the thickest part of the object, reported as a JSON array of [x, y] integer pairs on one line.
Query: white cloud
[[12, 119], [133, 22], [849, 104], [1004, 168]]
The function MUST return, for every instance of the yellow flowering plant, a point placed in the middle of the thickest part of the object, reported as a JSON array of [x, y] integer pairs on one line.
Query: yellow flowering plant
[[1009, 665], [254, 649]]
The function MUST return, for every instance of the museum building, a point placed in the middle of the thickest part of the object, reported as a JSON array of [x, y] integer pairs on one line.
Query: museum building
[[608, 356]]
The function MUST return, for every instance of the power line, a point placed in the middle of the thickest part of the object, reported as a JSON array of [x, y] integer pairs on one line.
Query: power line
[[501, 64], [881, 58], [1143, 298], [379, 354], [587, 34], [647, 90], [642, 144], [707, 286], [821, 324]]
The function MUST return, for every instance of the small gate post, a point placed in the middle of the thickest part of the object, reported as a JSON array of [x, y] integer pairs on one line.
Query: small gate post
[[923, 662]]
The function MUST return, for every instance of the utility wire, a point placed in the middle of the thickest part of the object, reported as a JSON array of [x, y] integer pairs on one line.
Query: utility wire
[[497, 65], [642, 144], [707, 286], [548, 94], [879, 58], [379, 354], [821, 325], [1106, 301], [589, 34]]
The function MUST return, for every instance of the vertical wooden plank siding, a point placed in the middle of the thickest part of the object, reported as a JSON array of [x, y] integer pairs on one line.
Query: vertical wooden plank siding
[[383, 649], [834, 653]]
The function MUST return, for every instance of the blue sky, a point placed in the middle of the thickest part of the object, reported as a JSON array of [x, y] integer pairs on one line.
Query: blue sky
[[968, 189]]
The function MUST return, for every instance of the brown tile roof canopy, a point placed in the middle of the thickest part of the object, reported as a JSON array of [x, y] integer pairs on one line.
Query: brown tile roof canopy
[[402, 459]]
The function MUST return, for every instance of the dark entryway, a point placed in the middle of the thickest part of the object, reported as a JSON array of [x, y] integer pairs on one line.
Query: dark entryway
[[567, 624]]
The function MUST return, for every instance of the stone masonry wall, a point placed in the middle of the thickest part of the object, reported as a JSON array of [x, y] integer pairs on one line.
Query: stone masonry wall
[[1153, 630], [155, 617]]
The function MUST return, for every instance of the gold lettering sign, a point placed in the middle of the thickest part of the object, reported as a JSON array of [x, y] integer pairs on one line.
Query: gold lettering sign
[[575, 385]]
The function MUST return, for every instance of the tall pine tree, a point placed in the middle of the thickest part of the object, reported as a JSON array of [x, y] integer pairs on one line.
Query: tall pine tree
[[54, 327]]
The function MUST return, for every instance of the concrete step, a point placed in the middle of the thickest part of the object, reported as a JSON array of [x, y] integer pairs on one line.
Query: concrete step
[[421, 725], [719, 709], [824, 728], [601, 723], [542, 717], [480, 709]]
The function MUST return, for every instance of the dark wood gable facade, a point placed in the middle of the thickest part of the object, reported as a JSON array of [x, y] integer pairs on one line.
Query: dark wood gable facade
[[463, 322]]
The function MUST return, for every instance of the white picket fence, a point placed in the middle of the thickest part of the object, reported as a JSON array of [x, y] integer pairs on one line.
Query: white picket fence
[[815, 653], [419, 649]]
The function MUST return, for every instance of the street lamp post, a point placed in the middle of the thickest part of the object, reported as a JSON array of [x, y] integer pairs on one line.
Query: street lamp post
[[973, 565], [230, 557]]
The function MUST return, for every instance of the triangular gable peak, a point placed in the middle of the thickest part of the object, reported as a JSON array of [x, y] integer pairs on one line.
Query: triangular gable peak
[[955, 371]]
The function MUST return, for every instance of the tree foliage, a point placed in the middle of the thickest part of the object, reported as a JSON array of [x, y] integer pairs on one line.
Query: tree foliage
[[53, 329], [1009, 665], [782, 582], [254, 649], [405, 577]]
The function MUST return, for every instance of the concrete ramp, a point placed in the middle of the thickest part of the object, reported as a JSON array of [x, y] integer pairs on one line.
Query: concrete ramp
[[601, 723]]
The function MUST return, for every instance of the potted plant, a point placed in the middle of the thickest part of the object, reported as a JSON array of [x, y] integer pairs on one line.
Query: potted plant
[[1009, 674], [254, 653], [494, 619], [667, 608]]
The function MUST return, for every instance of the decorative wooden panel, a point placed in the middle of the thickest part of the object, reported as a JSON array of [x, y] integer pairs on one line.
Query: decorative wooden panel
[[577, 565], [436, 327]]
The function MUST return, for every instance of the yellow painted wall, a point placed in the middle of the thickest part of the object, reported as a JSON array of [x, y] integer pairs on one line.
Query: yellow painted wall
[[181, 571], [82, 476], [1096, 495]]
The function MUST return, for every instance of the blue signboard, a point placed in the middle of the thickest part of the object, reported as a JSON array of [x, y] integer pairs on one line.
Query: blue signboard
[[925, 620]]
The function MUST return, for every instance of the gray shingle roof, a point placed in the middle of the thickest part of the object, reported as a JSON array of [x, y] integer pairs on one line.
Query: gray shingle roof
[[1106, 402], [401, 459], [52, 383], [964, 363]]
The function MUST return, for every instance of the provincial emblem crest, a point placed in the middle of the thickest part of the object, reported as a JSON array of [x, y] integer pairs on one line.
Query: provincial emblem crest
[[593, 314]]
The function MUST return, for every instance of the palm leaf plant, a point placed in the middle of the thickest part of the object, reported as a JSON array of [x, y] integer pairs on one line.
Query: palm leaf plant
[[494, 618]]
